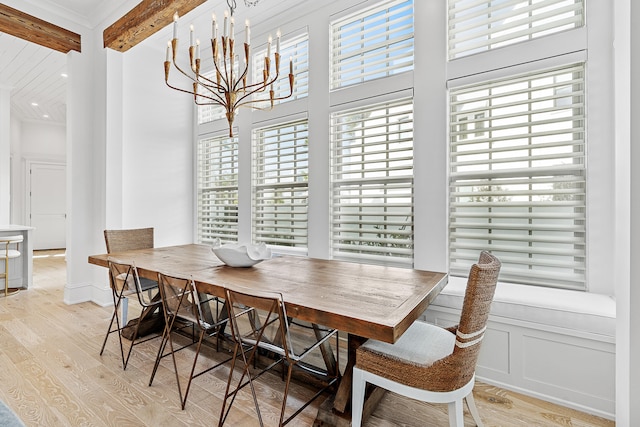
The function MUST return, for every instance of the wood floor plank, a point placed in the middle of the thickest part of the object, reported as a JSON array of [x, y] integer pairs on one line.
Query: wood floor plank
[[25, 398]]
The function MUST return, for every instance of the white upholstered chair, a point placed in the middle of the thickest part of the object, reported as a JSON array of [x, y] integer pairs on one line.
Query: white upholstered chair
[[430, 363]]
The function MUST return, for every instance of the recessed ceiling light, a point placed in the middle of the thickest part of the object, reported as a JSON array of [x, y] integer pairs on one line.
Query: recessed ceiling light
[[35, 104], [64, 75], [46, 116]]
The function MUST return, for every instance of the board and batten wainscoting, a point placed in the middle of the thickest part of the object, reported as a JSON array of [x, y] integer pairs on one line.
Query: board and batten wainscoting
[[556, 345]]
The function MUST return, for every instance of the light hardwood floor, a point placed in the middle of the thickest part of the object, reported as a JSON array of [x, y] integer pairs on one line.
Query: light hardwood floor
[[51, 375]]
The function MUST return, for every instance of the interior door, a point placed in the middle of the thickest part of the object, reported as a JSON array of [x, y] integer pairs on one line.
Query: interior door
[[47, 202]]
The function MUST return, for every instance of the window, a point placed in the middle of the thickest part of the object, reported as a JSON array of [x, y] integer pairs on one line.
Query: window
[[477, 26], [280, 183], [295, 49], [373, 43], [372, 183], [217, 183], [517, 176]]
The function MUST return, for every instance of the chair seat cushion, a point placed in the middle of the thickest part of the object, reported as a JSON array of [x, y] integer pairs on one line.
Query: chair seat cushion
[[422, 344], [11, 254], [145, 284]]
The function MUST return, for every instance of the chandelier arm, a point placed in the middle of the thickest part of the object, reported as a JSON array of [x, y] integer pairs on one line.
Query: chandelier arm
[[215, 101], [191, 93], [283, 97], [244, 96], [241, 78], [222, 75], [248, 103], [215, 95], [211, 86], [255, 87], [187, 75], [207, 82], [197, 81], [228, 72]]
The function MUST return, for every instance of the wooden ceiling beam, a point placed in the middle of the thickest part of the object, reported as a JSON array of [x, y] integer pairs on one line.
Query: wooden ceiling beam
[[147, 18], [35, 30]]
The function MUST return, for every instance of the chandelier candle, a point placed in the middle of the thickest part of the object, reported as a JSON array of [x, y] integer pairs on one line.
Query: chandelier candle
[[229, 89]]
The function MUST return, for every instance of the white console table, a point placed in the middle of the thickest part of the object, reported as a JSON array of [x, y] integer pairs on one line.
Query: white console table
[[21, 268]]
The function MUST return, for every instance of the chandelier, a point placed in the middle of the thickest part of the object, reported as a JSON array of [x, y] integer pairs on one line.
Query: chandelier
[[229, 88]]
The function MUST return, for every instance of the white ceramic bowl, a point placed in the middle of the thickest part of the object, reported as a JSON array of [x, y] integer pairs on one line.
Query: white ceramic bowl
[[240, 254]]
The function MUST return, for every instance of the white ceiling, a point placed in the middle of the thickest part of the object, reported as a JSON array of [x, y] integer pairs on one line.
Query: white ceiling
[[34, 73]]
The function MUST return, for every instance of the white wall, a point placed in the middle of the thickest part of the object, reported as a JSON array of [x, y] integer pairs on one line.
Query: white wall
[[43, 141], [17, 186], [5, 155], [157, 148]]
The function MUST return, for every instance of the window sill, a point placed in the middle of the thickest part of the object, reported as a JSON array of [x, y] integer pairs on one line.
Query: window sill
[[573, 310]]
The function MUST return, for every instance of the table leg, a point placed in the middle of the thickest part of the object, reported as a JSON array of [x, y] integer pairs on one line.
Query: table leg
[[336, 411], [343, 395]]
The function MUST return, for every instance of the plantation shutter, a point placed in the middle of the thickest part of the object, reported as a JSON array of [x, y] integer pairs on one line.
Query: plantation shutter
[[217, 187], [280, 182], [480, 25], [373, 43], [517, 177], [372, 183], [296, 49]]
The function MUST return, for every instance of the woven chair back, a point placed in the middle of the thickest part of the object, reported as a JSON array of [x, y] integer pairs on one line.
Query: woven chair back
[[127, 240], [461, 364]]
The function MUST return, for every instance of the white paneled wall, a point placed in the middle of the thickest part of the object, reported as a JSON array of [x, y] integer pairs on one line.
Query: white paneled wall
[[526, 350]]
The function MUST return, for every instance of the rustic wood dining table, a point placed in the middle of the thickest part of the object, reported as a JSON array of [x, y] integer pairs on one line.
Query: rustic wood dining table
[[365, 301]]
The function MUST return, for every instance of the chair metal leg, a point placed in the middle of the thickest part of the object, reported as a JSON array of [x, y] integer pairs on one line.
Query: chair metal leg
[[168, 324], [133, 340], [116, 303], [193, 368], [227, 403]]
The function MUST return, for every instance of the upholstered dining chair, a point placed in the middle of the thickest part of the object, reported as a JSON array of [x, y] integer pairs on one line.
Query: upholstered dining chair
[[259, 321], [124, 282], [9, 249], [185, 307], [120, 240], [430, 363]]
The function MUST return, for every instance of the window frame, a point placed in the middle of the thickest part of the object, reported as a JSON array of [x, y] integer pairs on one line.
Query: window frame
[[289, 157], [555, 155]]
